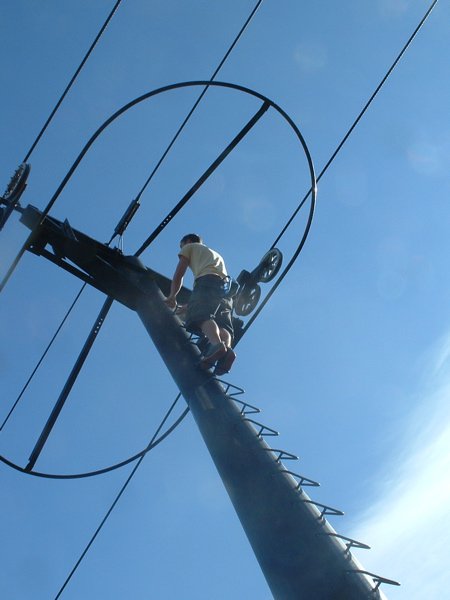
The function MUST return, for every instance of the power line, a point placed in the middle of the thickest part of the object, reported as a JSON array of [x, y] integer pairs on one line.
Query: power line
[[117, 498], [185, 199], [199, 99], [32, 235], [325, 168], [358, 118], [322, 172], [137, 200], [327, 165], [44, 354], [274, 287], [180, 129], [276, 241], [75, 75]]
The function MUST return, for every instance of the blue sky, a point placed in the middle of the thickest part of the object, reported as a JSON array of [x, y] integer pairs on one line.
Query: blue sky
[[349, 361]]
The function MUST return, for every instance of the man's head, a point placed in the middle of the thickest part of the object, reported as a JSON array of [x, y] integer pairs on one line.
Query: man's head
[[190, 238]]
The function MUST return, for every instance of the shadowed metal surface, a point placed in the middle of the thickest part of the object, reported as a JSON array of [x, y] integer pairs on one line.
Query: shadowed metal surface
[[298, 551]]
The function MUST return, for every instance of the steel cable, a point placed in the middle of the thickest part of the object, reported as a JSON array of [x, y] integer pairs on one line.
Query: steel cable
[[56, 195], [71, 82], [44, 354], [180, 129], [46, 210], [358, 118], [117, 498], [31, 236], [275, 242], [200, 97], [137, 198], [327, 165], [322, 172]]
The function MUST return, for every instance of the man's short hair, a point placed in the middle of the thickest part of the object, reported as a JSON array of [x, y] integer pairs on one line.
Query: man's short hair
[[191, 238]]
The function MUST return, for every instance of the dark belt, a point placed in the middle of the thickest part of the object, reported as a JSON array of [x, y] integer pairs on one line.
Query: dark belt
[[211, 281], [209, 278]]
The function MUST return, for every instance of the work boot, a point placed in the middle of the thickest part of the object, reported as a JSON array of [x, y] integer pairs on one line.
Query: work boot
[[224, 364], [212, 354]]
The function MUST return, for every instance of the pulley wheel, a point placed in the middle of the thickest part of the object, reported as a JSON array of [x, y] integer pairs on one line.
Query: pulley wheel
[[269, 266], [247, 299]]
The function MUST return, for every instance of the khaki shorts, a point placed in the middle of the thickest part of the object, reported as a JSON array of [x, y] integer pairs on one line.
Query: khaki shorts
[[207, 302]]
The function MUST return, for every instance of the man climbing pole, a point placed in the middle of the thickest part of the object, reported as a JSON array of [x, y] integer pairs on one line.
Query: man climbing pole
[[209, 308]]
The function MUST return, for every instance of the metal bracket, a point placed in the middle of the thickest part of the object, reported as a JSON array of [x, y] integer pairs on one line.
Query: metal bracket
[[351, 543], [326, 510], [96, 263], [246, 409], [378, 579], [237, 391], [282, 454], [303, 481], [263, 429]]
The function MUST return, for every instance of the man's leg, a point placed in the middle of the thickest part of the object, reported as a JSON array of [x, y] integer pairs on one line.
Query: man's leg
[[216, 334], [225, 336], [212, 332], [216, 348], [225, 327], [225, 362]]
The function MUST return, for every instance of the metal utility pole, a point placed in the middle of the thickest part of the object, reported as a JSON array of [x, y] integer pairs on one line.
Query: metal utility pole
[[300, 554], [297, 549]]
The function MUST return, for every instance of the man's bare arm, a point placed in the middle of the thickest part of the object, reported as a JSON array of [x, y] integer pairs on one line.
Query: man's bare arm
[[177, 281]]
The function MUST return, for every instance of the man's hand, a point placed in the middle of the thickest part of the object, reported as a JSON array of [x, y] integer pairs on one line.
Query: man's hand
[[180, 311], [171, 302]]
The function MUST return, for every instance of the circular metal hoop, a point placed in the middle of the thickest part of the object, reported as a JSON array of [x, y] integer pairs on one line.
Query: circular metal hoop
[[118, 465], [116, 115]]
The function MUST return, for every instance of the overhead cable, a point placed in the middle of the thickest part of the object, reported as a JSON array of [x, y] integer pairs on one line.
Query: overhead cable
[[200, 97], [358, 118], [32, 234], [69, 85], [137, 199], [44, 354], [327, 165], [117, 498], [276, 241], [46, 210], [200, 181]]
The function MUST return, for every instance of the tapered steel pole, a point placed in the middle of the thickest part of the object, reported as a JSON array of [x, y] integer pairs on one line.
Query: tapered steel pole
[[296, 547]]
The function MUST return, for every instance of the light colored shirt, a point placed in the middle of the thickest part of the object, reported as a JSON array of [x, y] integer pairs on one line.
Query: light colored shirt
[[203, 260]]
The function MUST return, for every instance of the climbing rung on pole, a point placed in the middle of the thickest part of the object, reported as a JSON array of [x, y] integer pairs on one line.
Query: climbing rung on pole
[[302, 480]]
